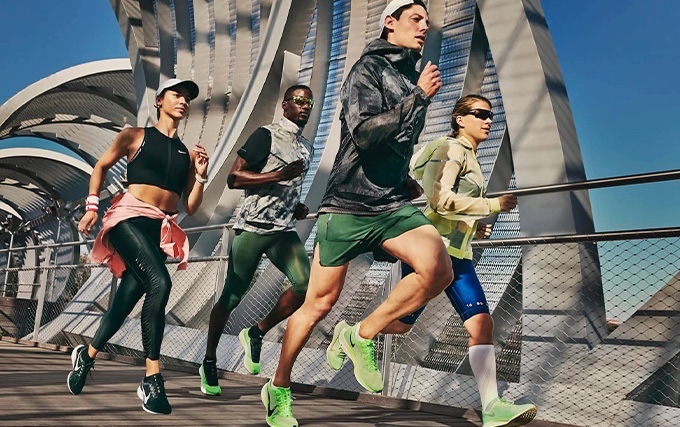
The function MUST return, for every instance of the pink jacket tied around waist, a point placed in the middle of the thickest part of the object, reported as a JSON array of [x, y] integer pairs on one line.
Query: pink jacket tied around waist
[[125, 206]]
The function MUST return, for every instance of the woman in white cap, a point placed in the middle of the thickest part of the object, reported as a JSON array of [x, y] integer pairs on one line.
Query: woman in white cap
[[140, 230]]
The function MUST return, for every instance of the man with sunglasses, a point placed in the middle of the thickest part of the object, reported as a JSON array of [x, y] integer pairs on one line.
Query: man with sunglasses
[[271, 167], [367, 205]]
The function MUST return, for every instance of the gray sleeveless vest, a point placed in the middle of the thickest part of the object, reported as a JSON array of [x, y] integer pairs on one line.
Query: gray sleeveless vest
[[270, 208]]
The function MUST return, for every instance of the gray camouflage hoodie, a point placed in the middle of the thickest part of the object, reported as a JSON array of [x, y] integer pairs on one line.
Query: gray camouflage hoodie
[[383, 113]]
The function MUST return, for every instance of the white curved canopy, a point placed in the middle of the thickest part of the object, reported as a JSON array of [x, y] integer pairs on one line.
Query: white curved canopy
[[81, 108]]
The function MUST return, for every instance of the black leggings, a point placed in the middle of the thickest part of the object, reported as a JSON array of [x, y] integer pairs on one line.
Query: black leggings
[[137, 241]]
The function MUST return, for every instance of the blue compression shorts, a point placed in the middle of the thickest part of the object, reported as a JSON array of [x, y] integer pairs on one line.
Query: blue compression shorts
[[465, 292]]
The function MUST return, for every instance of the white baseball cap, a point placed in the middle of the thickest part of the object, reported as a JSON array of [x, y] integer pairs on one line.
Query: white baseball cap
[[390, 9], [187, 84]]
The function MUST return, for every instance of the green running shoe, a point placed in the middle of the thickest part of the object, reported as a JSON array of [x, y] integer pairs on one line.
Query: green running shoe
[[504, 413], [362, 353], [278, 402], [78, 376], [210, 384], [252, 348], [334, 354]]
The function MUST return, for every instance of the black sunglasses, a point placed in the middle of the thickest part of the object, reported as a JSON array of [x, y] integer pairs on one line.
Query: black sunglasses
[[301, 100], [481, 114]]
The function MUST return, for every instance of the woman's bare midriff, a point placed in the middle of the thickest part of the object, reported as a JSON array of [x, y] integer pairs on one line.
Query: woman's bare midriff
[[164, 200]]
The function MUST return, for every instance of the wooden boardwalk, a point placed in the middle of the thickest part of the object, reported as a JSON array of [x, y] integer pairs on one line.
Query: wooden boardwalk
[[33, 392]]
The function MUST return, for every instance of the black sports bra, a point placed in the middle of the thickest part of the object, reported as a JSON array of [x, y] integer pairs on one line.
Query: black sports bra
[[160, 161]]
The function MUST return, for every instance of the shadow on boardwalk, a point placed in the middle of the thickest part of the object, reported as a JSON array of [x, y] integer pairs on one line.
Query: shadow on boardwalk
[[33, 392]]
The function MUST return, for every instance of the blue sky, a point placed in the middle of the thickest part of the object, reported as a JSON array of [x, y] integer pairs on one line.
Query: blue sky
[[619, 60]]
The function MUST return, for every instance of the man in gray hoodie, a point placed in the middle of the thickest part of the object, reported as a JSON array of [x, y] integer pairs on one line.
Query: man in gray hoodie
[[367, 205]]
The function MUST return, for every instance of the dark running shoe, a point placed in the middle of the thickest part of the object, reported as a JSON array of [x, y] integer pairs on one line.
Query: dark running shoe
[[152, 392], [210, 384], [252, 348], [78, 376]]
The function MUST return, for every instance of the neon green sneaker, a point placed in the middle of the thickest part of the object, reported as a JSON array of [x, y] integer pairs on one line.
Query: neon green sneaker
[[362, 353], [252, 348], [334, 354], [279, 405], [209, 383], [504, 413]]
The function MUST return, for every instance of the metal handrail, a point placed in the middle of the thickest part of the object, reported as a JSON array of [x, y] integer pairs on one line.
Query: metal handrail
[[617, 181], [644, 178], [189, 230], [606, 236]]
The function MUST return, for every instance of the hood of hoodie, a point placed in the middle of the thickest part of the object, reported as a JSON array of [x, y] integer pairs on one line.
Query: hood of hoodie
[[380, 124], [395, 54]]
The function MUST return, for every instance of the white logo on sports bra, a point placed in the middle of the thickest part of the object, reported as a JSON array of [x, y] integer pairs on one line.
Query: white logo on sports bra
[[181, 152]]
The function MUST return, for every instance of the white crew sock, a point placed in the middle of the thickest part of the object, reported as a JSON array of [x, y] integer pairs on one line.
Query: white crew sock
[[483, 363]]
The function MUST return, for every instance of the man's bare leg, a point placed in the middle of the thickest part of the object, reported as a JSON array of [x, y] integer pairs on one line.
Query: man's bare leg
[[287, 303], [325, 285], [423, 249], [397, 328]]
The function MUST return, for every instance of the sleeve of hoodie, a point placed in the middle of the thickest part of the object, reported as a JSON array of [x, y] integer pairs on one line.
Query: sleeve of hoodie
[[439, 178], [372, 127]]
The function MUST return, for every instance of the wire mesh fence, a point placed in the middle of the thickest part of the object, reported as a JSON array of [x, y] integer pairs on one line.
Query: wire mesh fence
[[586, 330]]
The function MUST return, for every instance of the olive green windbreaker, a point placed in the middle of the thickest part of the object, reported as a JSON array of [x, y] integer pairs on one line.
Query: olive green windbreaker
[[454, 186]]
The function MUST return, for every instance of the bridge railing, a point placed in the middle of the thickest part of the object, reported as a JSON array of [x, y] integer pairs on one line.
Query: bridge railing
[[591, 339]]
